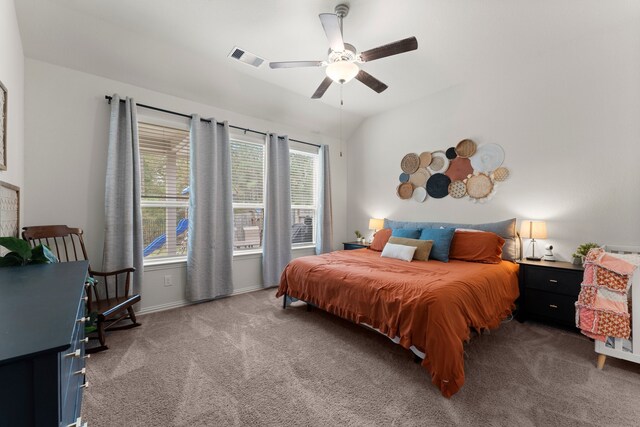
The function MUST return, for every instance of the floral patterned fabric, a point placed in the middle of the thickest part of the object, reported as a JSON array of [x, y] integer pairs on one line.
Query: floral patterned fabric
[[602, 308]]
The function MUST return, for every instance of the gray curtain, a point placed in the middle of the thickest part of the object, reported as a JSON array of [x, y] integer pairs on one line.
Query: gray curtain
[[276, 244], [324, 229], [123, 216], [210, 252]]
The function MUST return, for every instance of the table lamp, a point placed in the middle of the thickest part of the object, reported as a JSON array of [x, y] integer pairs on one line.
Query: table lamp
[[376, 224], [533, 230]]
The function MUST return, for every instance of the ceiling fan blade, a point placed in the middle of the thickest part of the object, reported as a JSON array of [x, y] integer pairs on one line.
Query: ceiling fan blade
[[322, 88], [390, 49], [295, 64], [371, 81], [332, 29]]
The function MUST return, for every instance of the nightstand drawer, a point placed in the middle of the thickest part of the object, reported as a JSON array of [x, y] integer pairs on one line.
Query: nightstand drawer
[[552, 306], [348, 246], [558, 281]]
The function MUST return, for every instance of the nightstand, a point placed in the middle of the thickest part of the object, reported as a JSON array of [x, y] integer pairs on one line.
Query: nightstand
[[548, 292], [354, 245]]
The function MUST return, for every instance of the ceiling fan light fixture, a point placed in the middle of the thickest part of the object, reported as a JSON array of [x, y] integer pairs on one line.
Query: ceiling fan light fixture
[[342, 71]]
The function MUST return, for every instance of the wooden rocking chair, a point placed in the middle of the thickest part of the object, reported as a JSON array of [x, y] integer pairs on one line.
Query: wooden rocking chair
[[107, 296]]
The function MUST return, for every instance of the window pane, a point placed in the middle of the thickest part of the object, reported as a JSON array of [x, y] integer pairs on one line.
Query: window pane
[[247, 172], [303, 178], [164, 162], [247, 228], [303, 225], [164, 231]]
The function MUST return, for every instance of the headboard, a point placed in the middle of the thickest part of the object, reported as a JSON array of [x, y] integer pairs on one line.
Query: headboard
[[511, 251]]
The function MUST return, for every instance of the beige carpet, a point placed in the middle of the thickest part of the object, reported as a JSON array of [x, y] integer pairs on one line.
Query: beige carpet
[[244, 361]]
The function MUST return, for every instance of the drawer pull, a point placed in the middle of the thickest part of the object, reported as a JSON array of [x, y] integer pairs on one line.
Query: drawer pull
[[553, 306], [83, 319], [553, 280], [75, 354], [86, 356], [85, 340], [85, 385], [82, 371]]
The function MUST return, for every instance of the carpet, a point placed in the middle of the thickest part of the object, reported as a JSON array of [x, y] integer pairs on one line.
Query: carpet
[[244, 361]]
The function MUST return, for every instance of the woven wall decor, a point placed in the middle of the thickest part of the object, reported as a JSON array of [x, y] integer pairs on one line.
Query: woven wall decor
[[457, 189], [467, 171], [405, 190], [419, 177], [410, 163], [425, 159]]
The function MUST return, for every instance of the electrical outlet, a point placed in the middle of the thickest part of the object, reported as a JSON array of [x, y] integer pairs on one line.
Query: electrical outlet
[[168, 281]]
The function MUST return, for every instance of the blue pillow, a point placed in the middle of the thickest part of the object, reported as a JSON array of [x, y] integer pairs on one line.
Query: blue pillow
[[409, 233], [441, 242]]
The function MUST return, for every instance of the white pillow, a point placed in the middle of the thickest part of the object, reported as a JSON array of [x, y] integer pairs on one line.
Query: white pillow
[[402, 252]]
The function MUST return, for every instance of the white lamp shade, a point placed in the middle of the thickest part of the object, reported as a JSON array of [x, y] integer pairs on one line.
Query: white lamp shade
[[533, 229], [342, 71], [376, 224]]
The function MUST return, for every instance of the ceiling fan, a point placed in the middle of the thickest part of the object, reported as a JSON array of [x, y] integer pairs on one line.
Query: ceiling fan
[[343, 60]]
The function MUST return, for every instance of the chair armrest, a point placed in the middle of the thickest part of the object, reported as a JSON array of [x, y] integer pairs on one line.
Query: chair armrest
[[111, 273]]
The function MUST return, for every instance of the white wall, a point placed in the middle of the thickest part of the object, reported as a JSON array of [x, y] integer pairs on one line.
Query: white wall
[[66, 148], [12, 76], [569, 122]]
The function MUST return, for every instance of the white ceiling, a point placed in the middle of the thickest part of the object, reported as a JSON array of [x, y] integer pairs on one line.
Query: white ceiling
[[180, 47]]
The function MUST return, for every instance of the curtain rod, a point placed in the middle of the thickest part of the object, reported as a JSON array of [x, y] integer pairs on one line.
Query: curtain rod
[[162, 110]]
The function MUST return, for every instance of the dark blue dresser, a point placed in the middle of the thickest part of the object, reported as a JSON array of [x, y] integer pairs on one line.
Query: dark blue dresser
[[42, 357]]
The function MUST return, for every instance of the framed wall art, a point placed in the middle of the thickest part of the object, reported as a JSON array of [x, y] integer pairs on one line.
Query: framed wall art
[[3, 127], [9, 210]]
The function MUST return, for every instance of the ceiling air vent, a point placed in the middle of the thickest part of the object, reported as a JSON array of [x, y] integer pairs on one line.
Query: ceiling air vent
[[246, 57]]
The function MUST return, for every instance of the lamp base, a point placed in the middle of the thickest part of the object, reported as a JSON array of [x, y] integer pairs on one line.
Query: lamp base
[[534, 258]]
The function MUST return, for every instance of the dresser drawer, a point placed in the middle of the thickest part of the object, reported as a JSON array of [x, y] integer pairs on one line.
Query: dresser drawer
[[72, 362], [560, 308], [558, 281]]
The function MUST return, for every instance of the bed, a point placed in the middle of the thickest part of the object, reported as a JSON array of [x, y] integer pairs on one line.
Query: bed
[[430, 305]]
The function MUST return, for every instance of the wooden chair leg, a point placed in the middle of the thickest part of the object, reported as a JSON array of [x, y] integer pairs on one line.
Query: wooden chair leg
[[101, 338], [601, 359], [132, 315], [101, 334]]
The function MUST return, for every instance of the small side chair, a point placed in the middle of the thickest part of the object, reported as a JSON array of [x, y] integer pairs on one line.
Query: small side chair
[[108, 293]]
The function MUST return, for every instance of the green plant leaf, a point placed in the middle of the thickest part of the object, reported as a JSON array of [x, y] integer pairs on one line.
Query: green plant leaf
[[19, 246], [10, 260]]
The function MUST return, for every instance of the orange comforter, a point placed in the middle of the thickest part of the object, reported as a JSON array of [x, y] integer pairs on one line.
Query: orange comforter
[[428, 304]]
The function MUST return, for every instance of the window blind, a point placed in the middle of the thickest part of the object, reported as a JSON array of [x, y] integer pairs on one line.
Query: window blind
[[164, 158]]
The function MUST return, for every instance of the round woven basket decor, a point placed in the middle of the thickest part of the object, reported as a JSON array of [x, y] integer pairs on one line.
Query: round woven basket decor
[[479, 186], [501, 174], [488, 157], [438, 185], [459, 169], [419, 178], [466, 148], [457, 189], [405, 190], [420, 194], [451, 153], [410, 163], [439, 162], [425, 159], [404, 177]]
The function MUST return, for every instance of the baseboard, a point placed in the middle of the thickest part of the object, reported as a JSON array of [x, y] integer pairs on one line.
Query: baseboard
[[183, 303], [163, 307]]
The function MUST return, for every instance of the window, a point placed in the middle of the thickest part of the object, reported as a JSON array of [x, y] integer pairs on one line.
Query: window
[[164, 164], [304, 196], [164, 170], [247, 179]]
